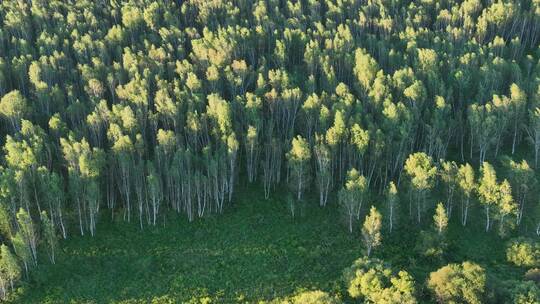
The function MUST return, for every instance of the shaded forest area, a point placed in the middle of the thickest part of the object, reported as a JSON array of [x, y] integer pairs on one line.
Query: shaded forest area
[[408, 118]]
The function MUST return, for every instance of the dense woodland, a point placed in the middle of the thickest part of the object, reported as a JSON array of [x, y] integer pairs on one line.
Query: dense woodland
[[398, 113]]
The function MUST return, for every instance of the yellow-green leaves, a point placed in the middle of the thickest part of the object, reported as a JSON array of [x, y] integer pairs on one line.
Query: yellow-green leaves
[[440, 218], [371, 230], [14, 106], [372, 281], [524, 252], [419, 167], [458, 283]]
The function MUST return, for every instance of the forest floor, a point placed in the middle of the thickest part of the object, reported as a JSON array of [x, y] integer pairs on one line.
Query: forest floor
[[254, 251]]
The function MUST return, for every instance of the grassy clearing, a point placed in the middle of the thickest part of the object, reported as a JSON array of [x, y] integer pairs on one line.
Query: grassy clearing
[[255, 251]]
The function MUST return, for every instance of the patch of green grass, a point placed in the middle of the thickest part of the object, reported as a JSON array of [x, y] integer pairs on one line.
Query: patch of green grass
[[254, 251]]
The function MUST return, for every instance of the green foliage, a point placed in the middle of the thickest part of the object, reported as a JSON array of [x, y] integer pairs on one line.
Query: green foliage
[[268, 261], [373, 282], [27, 235], [431, 245], [371, 230], [496, 198], [298, 161], [533, 275], [524, 252], [467, 185], [458, 283], [14, 107], [124, 109], [203, 261], [392, 201], [523, 181], [10, 271], [313, 297], [526, 293], [49, 235], [419, 167], [365, 68], [22, 250], [353, 195], [5, 223], [440, 218], [488, 188]]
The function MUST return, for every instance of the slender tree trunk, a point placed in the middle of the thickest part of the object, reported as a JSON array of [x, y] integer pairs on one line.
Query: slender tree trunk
[[514, 139], [487, 219], [62, 227], [350, 221], [521, 207], [299, 194], [536, 157], [25, 268], [419, 204], [391, 217], [36, 199], [410, 204], [80, 216], [464, 211]]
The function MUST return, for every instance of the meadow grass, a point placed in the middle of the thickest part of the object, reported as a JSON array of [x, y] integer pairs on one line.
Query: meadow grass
[[253, 252]]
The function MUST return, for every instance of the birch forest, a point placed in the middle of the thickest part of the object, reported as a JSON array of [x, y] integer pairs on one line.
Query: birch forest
[[270, 151]]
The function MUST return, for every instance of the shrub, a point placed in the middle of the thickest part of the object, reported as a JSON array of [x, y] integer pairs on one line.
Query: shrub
[[524, 252], [526, 293], [374, 282], [314, 297], [458, 283]]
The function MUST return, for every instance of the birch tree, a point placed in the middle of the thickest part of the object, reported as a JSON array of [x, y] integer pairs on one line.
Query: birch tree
[[155, 190], [523, 182], [488, 191], [466, 185], [392, 201], [421, 172], [449, 176], [9, 267], [483, 126], [55, 197], [440, 128], [298, 161], [506, 208], [123, 150], [518, 108], [352, 195], [323, 169], [496, 198], [84, 168], [28, 232], [252, 152], [371, 230], [440, 218], [25, 240], [533, 132], [14, 107], [49, 235]]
